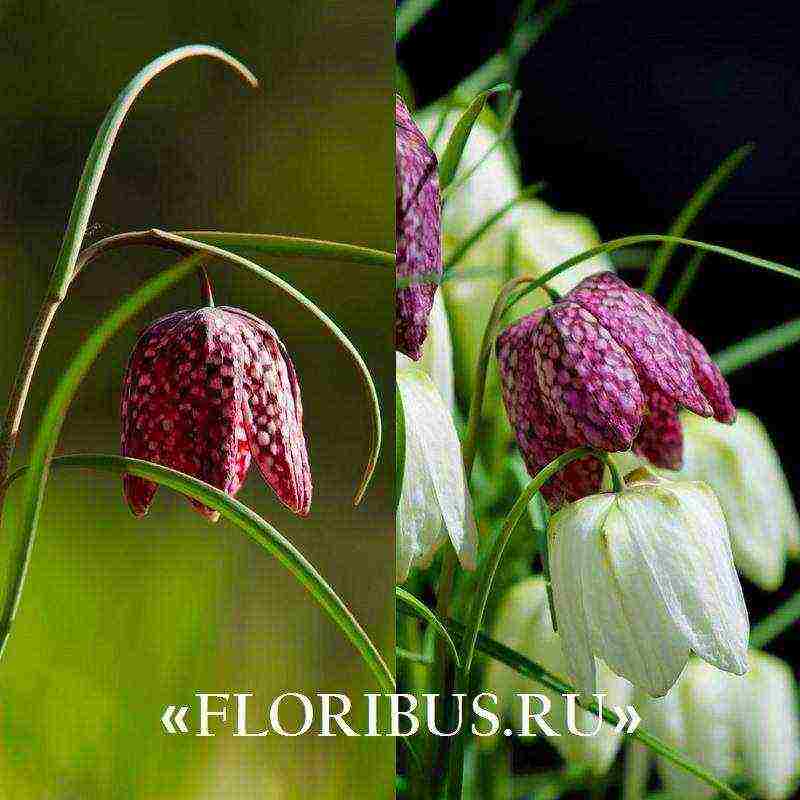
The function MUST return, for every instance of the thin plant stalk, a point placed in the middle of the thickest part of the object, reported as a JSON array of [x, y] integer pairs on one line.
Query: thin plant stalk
[[63, 270]]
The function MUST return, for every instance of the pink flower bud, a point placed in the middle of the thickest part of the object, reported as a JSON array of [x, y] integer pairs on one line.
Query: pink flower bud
[[605, 367], [418, 231], [204, 392]]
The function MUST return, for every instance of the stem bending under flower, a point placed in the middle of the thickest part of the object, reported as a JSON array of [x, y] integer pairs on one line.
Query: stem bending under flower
[[258, 529], [535, 672]]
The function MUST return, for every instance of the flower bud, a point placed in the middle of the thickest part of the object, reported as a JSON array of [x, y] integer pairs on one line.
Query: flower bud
[[434, 501], [644, 577], [739, 728], [204, 392], [524, 624]]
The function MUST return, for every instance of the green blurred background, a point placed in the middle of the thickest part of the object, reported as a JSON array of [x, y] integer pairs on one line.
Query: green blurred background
[[121, 617]]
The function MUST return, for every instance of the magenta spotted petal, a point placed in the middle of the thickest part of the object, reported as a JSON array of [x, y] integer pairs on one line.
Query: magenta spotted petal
[[418, 231], [605, 367], [540, 435], [206, 391]]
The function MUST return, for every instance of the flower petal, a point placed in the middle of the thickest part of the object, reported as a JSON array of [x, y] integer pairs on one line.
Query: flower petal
[[435, 458], [630, 627], [638, 324], [711, 381], [540, 435], [680, 533], [570, 532], [182, 404], [418, 231], [273, 413], [660, 439], [586, 379]]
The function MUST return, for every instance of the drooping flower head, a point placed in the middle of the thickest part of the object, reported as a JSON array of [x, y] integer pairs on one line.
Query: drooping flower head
[[205, 391], [642, 578], [741, 728], [418, 231], [606, 367]]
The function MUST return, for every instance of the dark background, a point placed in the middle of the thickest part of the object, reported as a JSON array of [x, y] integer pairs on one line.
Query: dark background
[[626, 108]]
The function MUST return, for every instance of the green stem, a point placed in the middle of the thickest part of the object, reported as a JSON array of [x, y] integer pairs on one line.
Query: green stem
[[244, 518], [685, 282], [50, 427], [758, 346], [183, 244], [64, 268], [776, 623], [486, 581], [537, 673], [699, 200], [627, 241]]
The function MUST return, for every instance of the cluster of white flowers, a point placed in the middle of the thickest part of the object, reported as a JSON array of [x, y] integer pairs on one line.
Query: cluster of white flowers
[[644, 581]]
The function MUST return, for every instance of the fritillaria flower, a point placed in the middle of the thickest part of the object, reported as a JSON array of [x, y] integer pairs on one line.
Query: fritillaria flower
[[609, 368], [206, 391], [523, 623], [642, 578], [418, 231], [740, 728], [740, 464], [434, 501]]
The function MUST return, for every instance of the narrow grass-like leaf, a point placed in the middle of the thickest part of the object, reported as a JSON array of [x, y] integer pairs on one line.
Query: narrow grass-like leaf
[[53, 418], [627, 241], [399, 446], [409, 14], [685, 282], [259, 530], [423, 612], [773, 625], [758, 346], [101, 150], [500, 139], [64, 268], [458, 139], [535, 672], [699, 200], [464, 247]]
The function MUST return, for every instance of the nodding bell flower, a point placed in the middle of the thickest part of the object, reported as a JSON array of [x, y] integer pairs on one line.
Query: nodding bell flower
[[418, 231], [434, 500], [739, 728], [437, 353], [642, 578], [205, 391], [606, 367], [524, 624], [740, 464]]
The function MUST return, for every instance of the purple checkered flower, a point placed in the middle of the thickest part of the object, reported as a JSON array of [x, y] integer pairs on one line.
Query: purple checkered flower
[[418, 231], [609, 368], [205, 391]]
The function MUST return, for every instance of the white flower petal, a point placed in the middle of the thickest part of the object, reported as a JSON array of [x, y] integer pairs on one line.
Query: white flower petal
[[437, 352], [768, 727], [631, 628], [435, 457], [570, 531], [680, 532]]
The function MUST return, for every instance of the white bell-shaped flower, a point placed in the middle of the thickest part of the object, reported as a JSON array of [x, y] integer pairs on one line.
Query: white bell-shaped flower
[[434, 501], [523, 623], [644, 577], [740, 464], [437, 352], [741, 728]]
